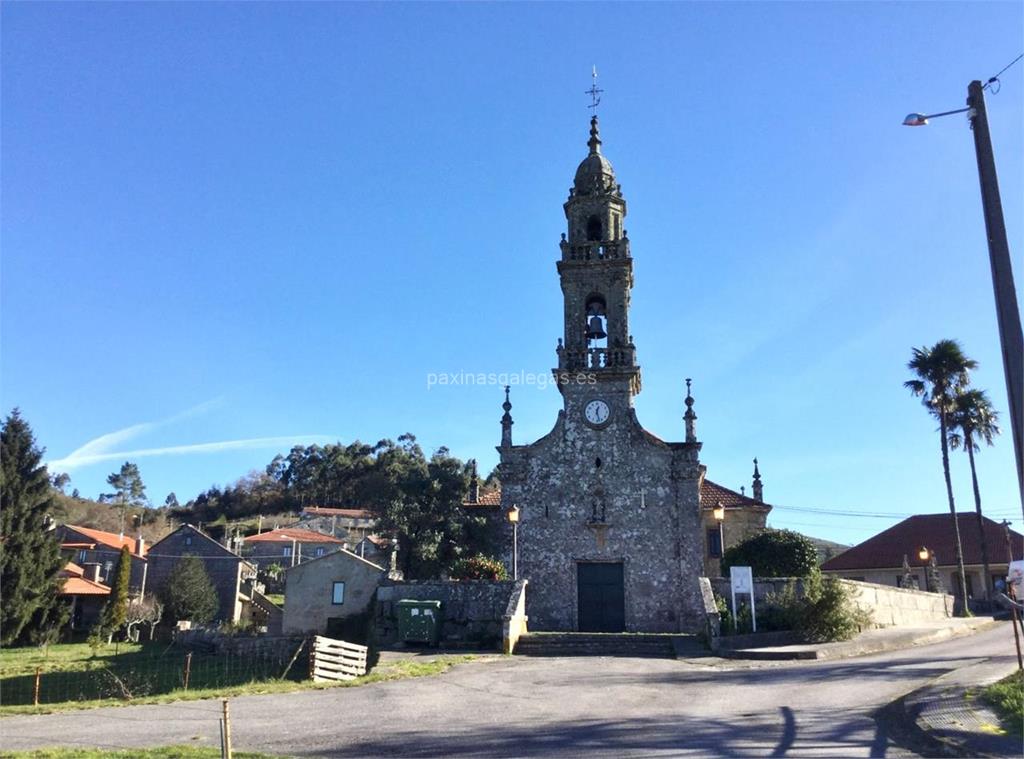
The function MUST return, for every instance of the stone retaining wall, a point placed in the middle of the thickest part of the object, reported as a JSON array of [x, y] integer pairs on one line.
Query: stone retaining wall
[[472, 611], [887, 606]]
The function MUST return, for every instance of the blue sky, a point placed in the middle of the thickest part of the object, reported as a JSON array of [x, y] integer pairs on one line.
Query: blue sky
[[228, 228]]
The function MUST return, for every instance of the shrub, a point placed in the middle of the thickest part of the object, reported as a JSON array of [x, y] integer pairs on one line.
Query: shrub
[[479, 568], [189, 593], [823, 612], [773, 553]]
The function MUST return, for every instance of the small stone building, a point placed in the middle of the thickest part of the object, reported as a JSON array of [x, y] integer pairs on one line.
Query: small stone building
[[337, 586], [229, 572]]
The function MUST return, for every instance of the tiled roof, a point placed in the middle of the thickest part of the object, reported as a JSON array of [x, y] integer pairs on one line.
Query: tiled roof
[[287, 535], [933, 531], [76, 585], [489, 498], [106, 538], [711, 493], [324, 511]]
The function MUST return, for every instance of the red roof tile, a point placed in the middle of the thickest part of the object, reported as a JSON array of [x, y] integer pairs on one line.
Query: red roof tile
[[287, 535], [106, 538], [933, 531], [325, 511], [489, 498], [711, 493], [76, 585]]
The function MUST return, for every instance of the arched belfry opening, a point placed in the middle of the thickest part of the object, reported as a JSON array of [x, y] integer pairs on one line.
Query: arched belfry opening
[[596, 321], [594, 231]]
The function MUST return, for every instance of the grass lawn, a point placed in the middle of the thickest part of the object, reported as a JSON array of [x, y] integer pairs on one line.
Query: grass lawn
[[65, 657], [17, 668], [276, 598], [1007, 698], [166, 752], [71, 672]]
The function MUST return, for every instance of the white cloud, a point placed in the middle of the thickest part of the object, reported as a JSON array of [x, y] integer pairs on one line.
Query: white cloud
[[79, 458]]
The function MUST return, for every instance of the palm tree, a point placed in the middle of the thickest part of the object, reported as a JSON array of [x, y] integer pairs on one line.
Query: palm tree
[[942, 372], [973, 419]]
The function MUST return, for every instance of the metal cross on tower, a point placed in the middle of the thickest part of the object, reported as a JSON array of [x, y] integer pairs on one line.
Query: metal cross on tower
[[594, 92]]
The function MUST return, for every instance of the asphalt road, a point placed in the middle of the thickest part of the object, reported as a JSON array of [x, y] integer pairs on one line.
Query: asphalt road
[[554, 707]]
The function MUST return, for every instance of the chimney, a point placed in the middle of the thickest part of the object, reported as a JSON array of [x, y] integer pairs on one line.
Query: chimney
[[140, 546]]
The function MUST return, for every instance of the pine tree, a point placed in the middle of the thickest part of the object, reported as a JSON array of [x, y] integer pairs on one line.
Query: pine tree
[[115, 611], [188, 592], [30, 563]]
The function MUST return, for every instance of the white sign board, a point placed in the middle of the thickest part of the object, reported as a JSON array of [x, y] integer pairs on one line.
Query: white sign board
[[742, 581], [1015, 577]]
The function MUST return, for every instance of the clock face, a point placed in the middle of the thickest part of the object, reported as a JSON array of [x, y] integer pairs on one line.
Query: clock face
[[597, 412]]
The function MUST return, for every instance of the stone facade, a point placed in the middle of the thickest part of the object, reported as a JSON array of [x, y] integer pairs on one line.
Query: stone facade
[[309, 600], [227, 570], [611, 535]]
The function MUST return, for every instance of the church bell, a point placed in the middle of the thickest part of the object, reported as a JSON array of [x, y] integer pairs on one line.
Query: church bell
[[595, 331]]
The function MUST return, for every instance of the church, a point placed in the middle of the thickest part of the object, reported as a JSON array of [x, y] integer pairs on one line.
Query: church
[[615, 526]]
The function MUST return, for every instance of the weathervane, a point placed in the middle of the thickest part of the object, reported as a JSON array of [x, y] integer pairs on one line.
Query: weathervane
[[594, 92]]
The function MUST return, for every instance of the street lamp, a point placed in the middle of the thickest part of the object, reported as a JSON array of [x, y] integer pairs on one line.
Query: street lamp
[[1011, 338], [719, 513], [923, 554], [513, 517]]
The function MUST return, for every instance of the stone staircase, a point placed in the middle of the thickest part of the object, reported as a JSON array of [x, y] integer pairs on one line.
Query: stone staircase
[[609, 644]]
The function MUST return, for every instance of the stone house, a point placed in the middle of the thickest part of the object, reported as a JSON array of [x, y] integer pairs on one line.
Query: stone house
[[288, 546], [336, 586], [87, 547], [744, 516], [231, 575], [879, 559]]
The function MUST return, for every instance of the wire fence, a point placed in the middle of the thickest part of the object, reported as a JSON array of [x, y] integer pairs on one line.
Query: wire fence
[[146, 673]]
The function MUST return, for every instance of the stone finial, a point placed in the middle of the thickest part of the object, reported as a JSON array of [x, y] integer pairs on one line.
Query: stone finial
[[690, 417], [506, 422], [474, 484], [594, 143], [758, 488]]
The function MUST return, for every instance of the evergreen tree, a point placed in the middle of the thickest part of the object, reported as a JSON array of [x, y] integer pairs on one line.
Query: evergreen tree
[[115, 611], [30, 563], [189, 593]]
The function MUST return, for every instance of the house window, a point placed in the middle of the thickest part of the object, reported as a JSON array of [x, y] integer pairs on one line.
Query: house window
[[319, 551], [83, 555], [338, 593], [286, 551], [106, 570], [715, 544], [188, 540]]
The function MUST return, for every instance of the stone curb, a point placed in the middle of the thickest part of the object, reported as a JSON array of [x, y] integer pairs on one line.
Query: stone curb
[[858, 646], [940, 720]]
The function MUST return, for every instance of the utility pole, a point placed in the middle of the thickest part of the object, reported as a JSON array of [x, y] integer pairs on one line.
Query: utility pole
[[1007, 312]]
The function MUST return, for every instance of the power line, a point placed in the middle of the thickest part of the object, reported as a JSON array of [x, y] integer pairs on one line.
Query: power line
[[992, 80]]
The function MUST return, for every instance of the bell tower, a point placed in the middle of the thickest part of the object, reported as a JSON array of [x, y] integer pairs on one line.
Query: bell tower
[[596, 273]]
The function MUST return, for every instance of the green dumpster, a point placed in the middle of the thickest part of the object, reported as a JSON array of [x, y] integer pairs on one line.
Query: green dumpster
[[419, 621]]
